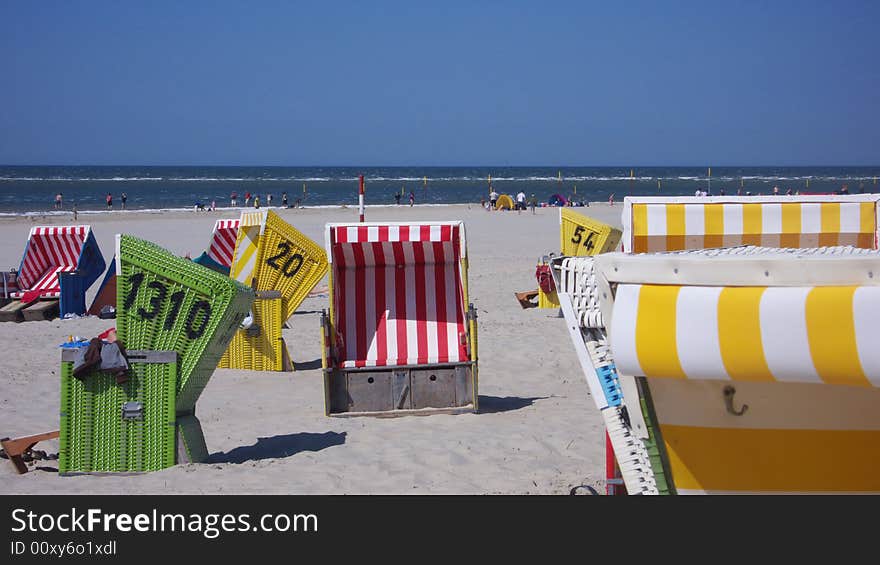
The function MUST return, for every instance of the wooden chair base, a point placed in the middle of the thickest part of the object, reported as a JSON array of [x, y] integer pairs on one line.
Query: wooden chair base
[[17, 447], [525, 298]]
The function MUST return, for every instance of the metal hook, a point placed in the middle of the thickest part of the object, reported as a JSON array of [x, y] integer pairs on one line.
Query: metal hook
[[729, 392]]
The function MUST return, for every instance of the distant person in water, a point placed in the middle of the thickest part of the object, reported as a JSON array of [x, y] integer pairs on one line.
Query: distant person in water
[[247, 198], [109, 201], [233, 199], [775, 191], [58, 201], [788, 192], [397, 198], [721, 192], [124, 200], [412, 198], [844, 190], [611, 200], [269, 200]]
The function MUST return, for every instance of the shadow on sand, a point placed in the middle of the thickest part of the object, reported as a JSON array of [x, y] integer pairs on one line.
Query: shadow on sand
[[279, 446], [307, 365], [490, 404]]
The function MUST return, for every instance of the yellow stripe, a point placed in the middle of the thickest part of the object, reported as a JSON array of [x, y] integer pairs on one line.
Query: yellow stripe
[[675, 219], [831, 333], [791, 225], [830, 213], [713, 217], [752, 219], [640, 219], [773, 460], [791, 218], [867, 220], [830, 224], [739, 334], [655, 331]]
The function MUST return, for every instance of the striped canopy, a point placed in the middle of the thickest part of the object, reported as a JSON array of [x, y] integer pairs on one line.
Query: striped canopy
[[823, 334], [673, 224], [398, 295], [223, 241], [49, 252]]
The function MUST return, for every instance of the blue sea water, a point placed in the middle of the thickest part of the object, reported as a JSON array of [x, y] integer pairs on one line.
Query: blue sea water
[[32, 189]]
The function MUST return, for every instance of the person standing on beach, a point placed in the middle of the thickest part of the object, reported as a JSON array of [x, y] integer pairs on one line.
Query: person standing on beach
[[124, 199], [412, 199], [397, 198], [109, 201], [269, 200], [58, 200], [611, 200], [247, 198], [284, 200], [520, 201], [256, 200], [493, 199], [233, 199], [533, 201], [74, 212]]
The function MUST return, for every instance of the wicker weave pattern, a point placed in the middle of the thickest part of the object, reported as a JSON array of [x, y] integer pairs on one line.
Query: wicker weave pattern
[[95, 438], [260, 353], [198, 339]]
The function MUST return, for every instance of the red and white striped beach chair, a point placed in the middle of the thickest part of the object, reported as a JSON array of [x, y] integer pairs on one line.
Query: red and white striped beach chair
[[59, 263], [223, 241], [400, 334]]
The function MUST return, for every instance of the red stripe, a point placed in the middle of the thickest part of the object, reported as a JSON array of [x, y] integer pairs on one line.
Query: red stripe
[[360, 303], [425, 234], [445, 233], [400, 306], [403, 233], [381, 332], [383, 233], [440, 267], [421, 303], [363, 235], [341, 234], [339, 283]]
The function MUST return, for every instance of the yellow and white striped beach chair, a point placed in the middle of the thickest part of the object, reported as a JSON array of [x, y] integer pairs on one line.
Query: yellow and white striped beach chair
[[742, 369]]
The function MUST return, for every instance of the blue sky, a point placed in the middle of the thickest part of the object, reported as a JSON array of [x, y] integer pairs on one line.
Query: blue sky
[[441, 83]]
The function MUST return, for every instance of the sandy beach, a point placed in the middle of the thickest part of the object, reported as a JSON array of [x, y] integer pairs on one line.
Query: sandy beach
[[537, 430]]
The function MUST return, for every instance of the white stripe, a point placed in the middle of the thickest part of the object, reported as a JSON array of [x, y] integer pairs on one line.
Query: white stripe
[[390, 305], [352, 235], [435, 233], [370, 306], [393, 234], [850, 217], [771, 218], [656, 220], [811, 218], [372, 234], [409, 271], [431, 301], [696, 333], [623, 329], [866, 312], [733, 219], [783, 321], [694, 219]]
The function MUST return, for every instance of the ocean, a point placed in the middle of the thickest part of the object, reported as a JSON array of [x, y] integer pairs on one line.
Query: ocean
[[32, 189]]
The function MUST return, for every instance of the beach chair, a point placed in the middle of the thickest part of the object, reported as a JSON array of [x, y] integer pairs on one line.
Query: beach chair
[[579, 235], [282, 266], [504, 202], [176, 319], [677, 309], [400, 336], [219, 253], [58, 266]]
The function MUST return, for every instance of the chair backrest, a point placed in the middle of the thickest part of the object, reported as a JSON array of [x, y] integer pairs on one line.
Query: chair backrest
[[51, 247], [654, 224], [398, 293], [270, 254], [223, 241]]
